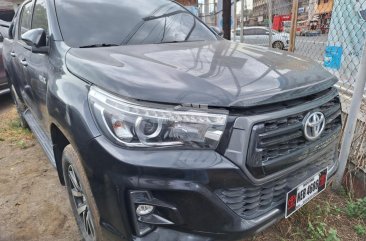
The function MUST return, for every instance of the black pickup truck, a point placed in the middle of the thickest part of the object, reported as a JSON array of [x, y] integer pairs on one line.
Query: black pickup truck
[[163, 131]]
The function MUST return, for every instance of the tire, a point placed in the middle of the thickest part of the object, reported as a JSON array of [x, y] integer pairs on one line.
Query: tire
[[278, 45], [81, 198], [20, 106]]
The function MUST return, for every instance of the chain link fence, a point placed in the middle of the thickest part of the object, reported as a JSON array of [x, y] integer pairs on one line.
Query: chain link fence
[[331, 32], [334, 35]]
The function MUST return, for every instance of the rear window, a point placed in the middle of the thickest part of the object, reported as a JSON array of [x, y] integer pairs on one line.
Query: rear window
[[100, 22]]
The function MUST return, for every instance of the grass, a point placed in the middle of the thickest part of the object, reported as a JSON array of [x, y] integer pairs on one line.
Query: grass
[[357, 208], [12, 132], [360, 230], [329, 217]]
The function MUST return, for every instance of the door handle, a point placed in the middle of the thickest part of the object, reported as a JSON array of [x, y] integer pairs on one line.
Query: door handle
[[24, 62], [12, 54]]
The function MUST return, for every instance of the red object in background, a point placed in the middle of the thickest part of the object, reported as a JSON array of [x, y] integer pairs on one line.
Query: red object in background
[[278, 22]]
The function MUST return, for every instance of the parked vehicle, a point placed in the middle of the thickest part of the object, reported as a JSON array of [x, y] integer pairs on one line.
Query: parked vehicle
[[260, 36], [4, 28], [278, 22], [311, 33], [162, 130]]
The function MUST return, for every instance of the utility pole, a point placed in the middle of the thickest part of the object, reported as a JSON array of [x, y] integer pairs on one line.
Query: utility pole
[[270, 23], [350, 128], [235, 20], [226, 17], [295, 9], [242, 21]]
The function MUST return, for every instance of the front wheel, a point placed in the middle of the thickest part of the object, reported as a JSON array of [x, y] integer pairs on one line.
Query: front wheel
[[80, 196], [278, 45]]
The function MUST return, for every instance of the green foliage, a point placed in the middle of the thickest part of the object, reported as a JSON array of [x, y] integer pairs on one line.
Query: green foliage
[[316, 231], [22, 145], [332, 235], [360, 230], [319, 231], [357, 209], [15, 124]]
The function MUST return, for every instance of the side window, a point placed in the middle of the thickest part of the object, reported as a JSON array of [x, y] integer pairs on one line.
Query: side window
[[260, 31], [25, 18], [40, 16], [250, 31]]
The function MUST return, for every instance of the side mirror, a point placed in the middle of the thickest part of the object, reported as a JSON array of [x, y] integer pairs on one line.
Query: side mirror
[[217, 30], [36, 39]]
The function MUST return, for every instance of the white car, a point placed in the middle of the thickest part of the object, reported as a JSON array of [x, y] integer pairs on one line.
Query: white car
[[260, 36]]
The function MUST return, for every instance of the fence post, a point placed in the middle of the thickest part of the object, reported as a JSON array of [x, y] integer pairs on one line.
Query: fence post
[[295, 9], [270, 23], [349, 130], [206, 8], [242, 22]]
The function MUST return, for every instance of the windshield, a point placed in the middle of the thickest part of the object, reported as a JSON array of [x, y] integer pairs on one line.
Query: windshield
[[105, 23]]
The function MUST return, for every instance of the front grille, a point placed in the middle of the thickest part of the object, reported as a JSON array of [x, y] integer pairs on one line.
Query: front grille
[[280, 143], [247, 202], [252, 202]]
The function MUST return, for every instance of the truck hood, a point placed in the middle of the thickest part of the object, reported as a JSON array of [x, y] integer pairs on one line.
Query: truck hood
[[219, 73]]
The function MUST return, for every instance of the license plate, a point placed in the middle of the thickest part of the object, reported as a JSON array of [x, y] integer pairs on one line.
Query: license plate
[[304, 192]]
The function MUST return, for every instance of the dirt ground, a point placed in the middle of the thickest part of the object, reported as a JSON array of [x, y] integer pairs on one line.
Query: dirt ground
[[34, 206]]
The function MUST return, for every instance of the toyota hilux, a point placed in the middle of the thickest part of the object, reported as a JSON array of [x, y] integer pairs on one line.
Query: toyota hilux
[[162, 130]]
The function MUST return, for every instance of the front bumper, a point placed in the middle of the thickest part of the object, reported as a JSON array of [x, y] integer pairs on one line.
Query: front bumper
[[190, 181]]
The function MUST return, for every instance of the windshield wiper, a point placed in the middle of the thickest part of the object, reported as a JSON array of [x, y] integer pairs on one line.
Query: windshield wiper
[[146, 19], [98, 45], [179, 41]]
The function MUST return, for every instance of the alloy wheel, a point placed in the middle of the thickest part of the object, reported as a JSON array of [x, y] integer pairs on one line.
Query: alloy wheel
[[81, 204], [278, 45]]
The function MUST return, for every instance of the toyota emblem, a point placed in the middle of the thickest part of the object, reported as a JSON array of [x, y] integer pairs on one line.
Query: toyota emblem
[[314, 124]]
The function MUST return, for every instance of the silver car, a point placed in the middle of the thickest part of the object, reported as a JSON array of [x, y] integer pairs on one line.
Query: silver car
[[260, 36]]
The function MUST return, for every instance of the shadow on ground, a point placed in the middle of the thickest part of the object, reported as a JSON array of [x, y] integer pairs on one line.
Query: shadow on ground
[[6, 103]]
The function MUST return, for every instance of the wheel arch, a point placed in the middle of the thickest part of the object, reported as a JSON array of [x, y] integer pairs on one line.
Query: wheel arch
[[59, 142]]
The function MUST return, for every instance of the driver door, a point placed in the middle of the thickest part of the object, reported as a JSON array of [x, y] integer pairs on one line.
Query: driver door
[[38, 67]]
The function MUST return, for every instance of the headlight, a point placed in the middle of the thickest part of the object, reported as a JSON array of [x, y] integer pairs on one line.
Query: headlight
[[133, 125]]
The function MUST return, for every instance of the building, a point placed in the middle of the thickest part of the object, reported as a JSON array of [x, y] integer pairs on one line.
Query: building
[[260, 10], [323, 14], [188, 2], [279, 7], [303, 11]]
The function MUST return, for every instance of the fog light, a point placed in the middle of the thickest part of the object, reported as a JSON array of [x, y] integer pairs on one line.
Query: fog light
[[142, 210]]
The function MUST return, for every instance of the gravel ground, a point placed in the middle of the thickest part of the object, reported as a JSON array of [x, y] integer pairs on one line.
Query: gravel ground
[[34, 206]]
